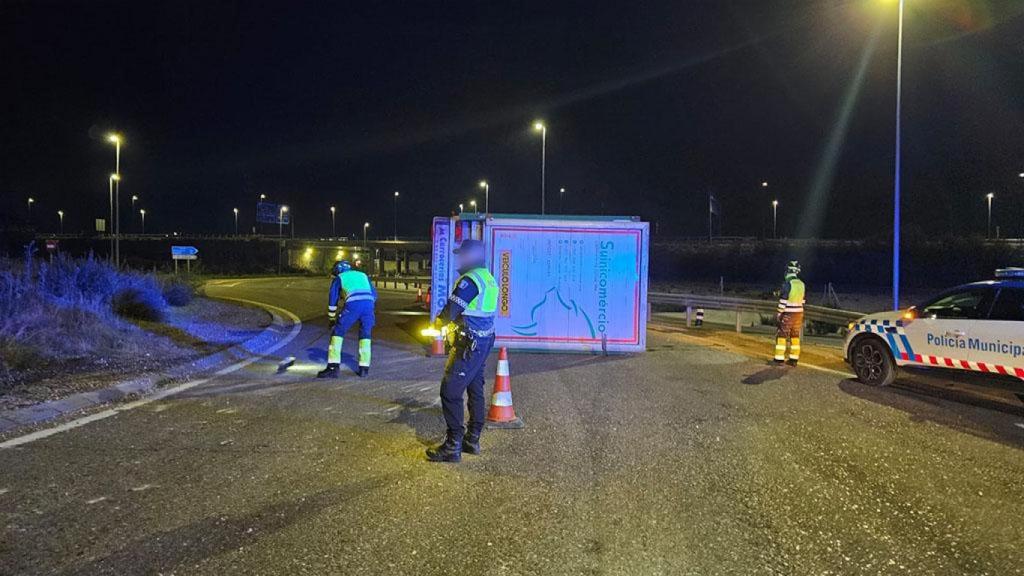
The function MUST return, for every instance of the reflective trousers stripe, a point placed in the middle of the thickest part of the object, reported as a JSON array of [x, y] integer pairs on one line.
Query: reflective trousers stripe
[[364, 352], [334, 350]]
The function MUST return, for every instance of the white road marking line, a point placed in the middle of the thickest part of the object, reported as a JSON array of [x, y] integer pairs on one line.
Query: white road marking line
[[79, 422], [707, 343], [227, 411], [96, 500], [1018, 425], [144, 487], [4, 490]]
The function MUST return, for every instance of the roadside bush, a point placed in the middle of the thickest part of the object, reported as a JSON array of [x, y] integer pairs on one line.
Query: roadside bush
[[68, 308], [177, 293]]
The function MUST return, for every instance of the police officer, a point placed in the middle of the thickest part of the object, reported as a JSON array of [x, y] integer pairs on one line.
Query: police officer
[[470, 311], [790, 317], [352, 291]]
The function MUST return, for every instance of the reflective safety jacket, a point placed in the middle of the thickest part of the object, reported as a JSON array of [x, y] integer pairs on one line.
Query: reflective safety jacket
[[474, 301], [792, 298], [349, 286]]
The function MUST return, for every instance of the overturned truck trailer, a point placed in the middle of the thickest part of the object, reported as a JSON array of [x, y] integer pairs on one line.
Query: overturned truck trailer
[[573, 284]]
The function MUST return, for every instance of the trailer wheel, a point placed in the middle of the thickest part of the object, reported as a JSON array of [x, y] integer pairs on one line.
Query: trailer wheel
[[873, 363]]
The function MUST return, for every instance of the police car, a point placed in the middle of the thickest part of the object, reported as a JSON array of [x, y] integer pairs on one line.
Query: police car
[[977, 327]]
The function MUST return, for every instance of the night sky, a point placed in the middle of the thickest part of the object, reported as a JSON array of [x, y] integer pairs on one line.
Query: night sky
[[650, 106]]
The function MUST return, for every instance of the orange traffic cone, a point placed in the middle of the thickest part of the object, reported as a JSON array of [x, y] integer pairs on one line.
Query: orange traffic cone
[[501, 414], [437, 346]]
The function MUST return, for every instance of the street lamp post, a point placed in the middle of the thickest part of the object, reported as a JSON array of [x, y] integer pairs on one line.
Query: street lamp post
[[461, 209], [775, 217], [333, 221], [989, 197], [116, 210], [135, 199], [561, 200], [60, 214], [487, 196], [110, 231], [896, 184], [472, 204], [235, 210], [142, 213], [540, 127], [366, 226], [396, 215], [31, 201], [280, 220]]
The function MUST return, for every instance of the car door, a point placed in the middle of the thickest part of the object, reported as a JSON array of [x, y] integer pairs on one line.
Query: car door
[[997, 342], [940, 333]]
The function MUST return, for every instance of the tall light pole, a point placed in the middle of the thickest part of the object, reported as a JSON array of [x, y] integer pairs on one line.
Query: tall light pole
[[366, 226], [472, 204], [280, 220], [115, 139], [775, 217], [896, 184], [31, 201], [989, 197], [396, 215], [333, 221], [135, 199], [461, 209], [235, 210], [561, 200], [764, 186], [487, 196], [110, 232], [540, 127], [60, 214], [142, 213]]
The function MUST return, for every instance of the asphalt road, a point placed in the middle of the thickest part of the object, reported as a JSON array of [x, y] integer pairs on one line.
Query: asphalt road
[[689, 459]]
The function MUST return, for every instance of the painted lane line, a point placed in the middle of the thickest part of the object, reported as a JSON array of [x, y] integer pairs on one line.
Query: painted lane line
[[1019, 424], [709, 344], [104, 414]]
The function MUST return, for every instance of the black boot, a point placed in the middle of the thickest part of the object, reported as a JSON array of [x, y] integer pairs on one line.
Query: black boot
[[792, 362], [449, 451], [330, 372], [364, 371], [778, 362], [471, 443]]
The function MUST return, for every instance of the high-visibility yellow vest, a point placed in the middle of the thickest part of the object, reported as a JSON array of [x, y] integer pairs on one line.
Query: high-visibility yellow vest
[[485, 304]]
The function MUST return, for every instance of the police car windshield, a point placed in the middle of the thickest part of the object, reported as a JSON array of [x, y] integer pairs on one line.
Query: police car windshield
[[962, 303]]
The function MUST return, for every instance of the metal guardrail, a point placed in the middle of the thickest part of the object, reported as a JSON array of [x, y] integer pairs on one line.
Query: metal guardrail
[[691, 301], [408, 282]]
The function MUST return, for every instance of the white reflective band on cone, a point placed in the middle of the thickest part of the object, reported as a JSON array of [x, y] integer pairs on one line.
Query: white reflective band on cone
[[501, 399], [502, 368]]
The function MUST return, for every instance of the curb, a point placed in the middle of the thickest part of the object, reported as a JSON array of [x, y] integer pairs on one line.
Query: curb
[[250, 349]]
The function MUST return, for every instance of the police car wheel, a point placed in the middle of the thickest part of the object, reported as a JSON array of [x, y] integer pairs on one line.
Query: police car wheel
[[872, 363]]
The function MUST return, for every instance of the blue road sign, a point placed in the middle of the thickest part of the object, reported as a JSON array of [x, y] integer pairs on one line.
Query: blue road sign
[[270, 213], [184, 252]]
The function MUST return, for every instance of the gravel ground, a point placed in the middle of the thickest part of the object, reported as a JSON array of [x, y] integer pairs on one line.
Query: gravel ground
[[202, 327]]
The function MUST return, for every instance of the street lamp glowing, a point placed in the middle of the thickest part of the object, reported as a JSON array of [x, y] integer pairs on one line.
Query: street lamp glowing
[[115, 177], [990, 196], [540, 127], [114, 138], [142, 213], [366, 225], [764, 184], [487, 195], [396, 193], [284, 209], [60, 214]]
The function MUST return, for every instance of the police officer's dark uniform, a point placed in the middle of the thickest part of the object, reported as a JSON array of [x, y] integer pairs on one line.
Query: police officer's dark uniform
[[352, 291], [470, 309]]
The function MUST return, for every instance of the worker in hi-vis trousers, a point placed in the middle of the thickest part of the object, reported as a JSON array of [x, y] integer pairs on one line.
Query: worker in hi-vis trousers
[[790, 317], [352, 292]]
